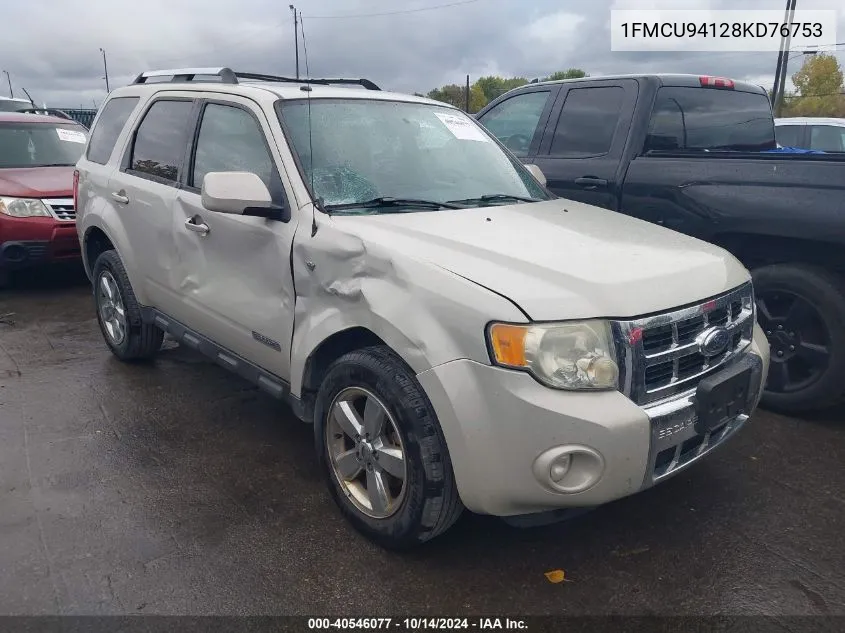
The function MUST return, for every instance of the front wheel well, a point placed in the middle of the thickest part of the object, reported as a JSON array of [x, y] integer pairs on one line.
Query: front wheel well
[[324, 355], [96, 243]]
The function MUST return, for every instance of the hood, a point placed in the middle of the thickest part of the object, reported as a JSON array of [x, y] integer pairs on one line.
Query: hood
[[560, 259], [37, 182]]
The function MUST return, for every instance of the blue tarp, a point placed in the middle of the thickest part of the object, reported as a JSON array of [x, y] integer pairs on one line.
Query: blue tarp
[[791, 150]]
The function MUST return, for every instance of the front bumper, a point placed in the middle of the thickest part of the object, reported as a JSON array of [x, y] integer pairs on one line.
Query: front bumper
[[503, 429], [28, 242]]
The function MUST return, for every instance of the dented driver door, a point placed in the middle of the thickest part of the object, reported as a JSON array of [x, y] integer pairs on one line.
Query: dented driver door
[[233, 272]]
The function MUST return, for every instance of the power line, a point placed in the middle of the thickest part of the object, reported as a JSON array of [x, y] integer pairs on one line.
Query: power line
[[400, 12]]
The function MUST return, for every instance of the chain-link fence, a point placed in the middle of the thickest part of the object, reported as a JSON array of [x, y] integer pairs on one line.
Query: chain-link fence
[[83, 116]]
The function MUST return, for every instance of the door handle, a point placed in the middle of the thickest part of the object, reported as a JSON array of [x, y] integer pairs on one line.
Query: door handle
[[201, 228], [589, 182], [119, 196]]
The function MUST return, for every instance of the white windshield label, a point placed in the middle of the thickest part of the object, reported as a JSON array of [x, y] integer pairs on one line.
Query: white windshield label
[[70, 136], [461, 127]]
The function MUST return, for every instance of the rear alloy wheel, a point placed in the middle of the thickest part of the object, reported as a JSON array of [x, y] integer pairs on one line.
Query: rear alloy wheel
[[802, 311], [119, 314], [111, 308]]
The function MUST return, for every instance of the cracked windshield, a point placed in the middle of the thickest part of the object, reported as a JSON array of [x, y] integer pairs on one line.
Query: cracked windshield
[[368, 156]]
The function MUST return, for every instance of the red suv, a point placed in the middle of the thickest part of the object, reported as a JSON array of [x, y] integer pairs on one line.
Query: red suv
[[37, 210]]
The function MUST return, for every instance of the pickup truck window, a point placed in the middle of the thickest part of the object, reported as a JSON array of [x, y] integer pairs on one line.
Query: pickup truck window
[[710, 119], [160, 141], [361, 149], [587, 122], [514, 120], [827, 138]]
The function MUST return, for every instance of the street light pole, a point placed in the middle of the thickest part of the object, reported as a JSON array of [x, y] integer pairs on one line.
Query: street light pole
[[11, 92], [783, 60], [295, 38], [105, 70]]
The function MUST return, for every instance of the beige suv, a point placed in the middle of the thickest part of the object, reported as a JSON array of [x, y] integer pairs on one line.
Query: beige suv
[[458, 336]]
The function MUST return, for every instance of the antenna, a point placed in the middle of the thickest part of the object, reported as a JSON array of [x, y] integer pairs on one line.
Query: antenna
[[30, 98], [317, 202]]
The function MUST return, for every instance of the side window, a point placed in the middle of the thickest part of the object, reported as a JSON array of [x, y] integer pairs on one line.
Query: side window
[[587, 122], [161, 139], [827, 138], [788, 135], [104, 135], [514, 120], [230, 139]]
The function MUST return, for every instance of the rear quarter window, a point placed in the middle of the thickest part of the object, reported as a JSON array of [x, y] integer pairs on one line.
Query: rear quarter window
[[114, 116]]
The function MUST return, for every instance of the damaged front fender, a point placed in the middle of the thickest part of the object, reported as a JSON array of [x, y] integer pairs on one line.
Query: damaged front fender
[[424, 313]]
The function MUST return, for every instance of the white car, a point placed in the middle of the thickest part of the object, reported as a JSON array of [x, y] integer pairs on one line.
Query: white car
[[826, 135], [14, 105], [457, 336]]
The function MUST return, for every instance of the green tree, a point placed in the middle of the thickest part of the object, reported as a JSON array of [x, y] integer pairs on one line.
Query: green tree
[[493, 86], [819, 88], [572, 73], [456, 95]]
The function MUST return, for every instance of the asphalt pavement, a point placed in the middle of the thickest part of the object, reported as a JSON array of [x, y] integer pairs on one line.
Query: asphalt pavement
[[177, 488]]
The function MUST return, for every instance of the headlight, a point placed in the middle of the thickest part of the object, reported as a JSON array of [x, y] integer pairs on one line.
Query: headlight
[[24, 207], [576, 355]]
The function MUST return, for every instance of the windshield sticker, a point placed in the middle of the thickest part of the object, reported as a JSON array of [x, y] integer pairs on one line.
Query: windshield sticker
[[70, 136], [461, 127]]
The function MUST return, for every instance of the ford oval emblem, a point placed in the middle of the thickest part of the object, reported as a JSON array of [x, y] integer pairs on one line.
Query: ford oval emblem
[[714, 341]]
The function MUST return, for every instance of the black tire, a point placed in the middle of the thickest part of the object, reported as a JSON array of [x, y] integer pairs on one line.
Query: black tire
[[824, 292], [142, 340], [5, 279], [431, 503]]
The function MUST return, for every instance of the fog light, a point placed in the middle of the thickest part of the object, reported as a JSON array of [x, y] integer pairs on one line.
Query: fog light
[[560, 466], [569, 469]]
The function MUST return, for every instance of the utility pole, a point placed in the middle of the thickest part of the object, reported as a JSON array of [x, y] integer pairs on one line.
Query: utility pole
[[783, 60], [11, 92], [105, 70], [295, 38], [467, 100]]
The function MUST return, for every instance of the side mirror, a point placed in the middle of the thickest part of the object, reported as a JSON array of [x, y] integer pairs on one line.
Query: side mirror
[[535, 171], [234, 192]]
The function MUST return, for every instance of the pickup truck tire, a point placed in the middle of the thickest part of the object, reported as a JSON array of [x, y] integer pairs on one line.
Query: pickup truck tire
[[112, 294], [802, 311], [387, 400]]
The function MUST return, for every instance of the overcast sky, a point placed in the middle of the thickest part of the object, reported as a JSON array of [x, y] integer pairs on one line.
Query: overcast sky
[[51, 47]]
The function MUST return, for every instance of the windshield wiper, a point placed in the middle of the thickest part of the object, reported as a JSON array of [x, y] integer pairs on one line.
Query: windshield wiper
[[387, 201], [496, 197], [56, 165]]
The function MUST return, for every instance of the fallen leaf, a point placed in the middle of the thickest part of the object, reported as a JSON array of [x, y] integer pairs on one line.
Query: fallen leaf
[[555, 576]]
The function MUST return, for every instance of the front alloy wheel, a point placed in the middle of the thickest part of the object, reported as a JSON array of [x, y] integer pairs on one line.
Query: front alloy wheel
[[366, 452], [382, 450]]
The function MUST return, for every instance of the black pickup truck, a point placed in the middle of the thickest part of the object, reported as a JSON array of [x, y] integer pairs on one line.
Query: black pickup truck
[[698, 155]]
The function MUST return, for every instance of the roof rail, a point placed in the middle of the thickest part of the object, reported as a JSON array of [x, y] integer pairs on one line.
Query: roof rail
[[188, 74], [366, 83], [228, 76]]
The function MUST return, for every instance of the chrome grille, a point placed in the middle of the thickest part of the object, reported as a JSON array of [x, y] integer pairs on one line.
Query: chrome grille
[[61, 208], [663, 355]]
